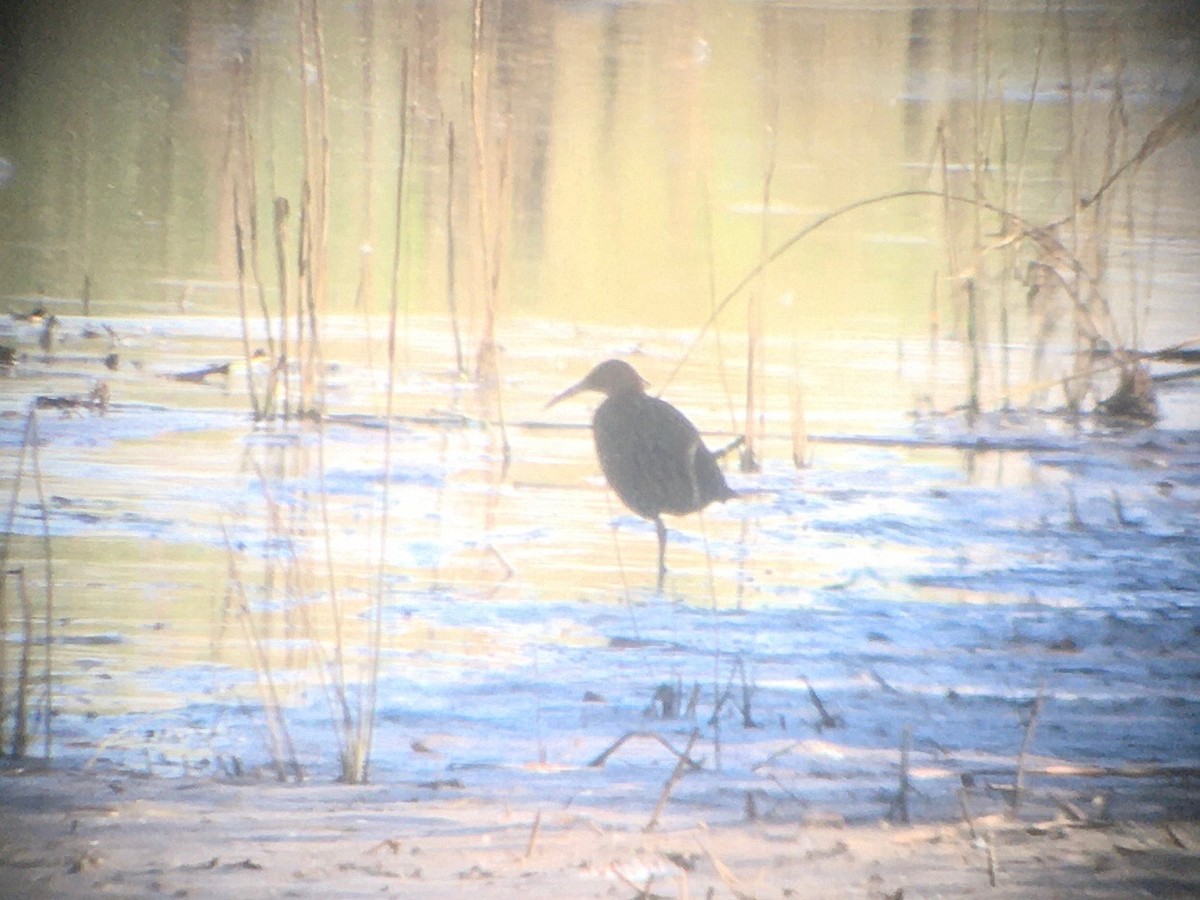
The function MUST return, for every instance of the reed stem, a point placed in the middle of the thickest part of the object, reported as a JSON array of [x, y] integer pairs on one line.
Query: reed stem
[[451, 294]]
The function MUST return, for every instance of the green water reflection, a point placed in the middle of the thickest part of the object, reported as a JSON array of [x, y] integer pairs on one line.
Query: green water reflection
[[625, 151]]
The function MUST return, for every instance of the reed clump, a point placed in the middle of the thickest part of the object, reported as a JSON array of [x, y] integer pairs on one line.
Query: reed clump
[[1019, 281], [295, 618], [282, 287], [1029, 294]]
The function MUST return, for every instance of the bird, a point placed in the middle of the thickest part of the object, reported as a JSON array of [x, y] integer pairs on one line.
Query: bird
[[651, 454]]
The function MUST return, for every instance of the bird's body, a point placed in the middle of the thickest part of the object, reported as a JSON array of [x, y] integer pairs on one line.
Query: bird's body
[[652, 455], [654, 458]]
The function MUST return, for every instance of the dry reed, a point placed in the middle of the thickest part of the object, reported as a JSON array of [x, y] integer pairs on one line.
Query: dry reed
[[451, 294], [493, 190], [283, 752], [30, 442], [288, 581]]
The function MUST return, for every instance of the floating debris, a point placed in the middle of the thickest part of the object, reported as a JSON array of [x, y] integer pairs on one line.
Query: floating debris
[[95, 401], [1133, 400]]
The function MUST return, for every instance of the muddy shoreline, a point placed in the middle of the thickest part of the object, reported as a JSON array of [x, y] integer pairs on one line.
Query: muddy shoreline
[[86, 834]]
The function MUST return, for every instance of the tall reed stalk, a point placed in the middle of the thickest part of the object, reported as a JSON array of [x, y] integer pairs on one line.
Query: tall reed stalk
[[297, 316], [242, 157], [351, 692], [451, 264], [24, 667], [30, 442], [314, 234], [357, 767], [280, 210], [755, 347], [364, 292], [492, 184], [248, 356]]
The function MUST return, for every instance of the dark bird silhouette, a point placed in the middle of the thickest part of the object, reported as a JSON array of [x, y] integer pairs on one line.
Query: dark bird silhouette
[[652, 456]]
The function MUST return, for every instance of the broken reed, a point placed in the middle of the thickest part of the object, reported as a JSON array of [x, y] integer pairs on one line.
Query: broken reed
[[24, 679]]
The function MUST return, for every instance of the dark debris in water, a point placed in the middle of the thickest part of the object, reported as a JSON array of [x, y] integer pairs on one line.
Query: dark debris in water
[[1134, 400]]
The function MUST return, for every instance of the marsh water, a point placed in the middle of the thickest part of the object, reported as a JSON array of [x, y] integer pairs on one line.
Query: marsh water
[[942, 527]]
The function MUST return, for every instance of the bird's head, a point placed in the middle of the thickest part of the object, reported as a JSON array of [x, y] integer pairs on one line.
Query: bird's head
[[612, 378]]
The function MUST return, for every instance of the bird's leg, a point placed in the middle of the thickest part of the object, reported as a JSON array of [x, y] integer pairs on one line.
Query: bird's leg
[[662, 550]]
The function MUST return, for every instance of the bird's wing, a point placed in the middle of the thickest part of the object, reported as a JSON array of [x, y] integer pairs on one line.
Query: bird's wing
[[655, 459]]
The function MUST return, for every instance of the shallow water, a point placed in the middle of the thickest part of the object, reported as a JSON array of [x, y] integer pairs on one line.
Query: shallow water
[[934, 579]]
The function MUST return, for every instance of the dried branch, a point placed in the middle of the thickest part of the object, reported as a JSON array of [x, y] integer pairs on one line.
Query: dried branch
[[678, 773], [826, 719], [616, 745], [1026, 742]]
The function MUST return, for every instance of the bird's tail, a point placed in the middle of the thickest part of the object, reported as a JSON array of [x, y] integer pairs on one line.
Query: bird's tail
[[729, 448]]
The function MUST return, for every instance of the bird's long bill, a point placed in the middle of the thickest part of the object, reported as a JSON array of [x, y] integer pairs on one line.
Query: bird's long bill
[[569, 392]]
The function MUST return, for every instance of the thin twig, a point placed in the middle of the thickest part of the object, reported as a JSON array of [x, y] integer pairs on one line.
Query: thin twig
[[776, 755], [1081, 770], [642, 891], [726, 695], [990, 841], [282, 748], [964, 805], [826, 720], [680, 768], [533, 834], [900, 804], [243, 311], [1026, 743], [365, 292], [5, 547], [1016, 228], [616, 745], [747, 698], [279, 212], [724, 872], [1182, 120]]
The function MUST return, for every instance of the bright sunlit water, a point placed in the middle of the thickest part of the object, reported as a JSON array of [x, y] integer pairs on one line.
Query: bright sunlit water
[[621, 168]]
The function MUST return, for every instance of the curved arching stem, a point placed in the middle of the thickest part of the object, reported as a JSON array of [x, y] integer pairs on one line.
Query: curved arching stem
[[1016, 228]]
